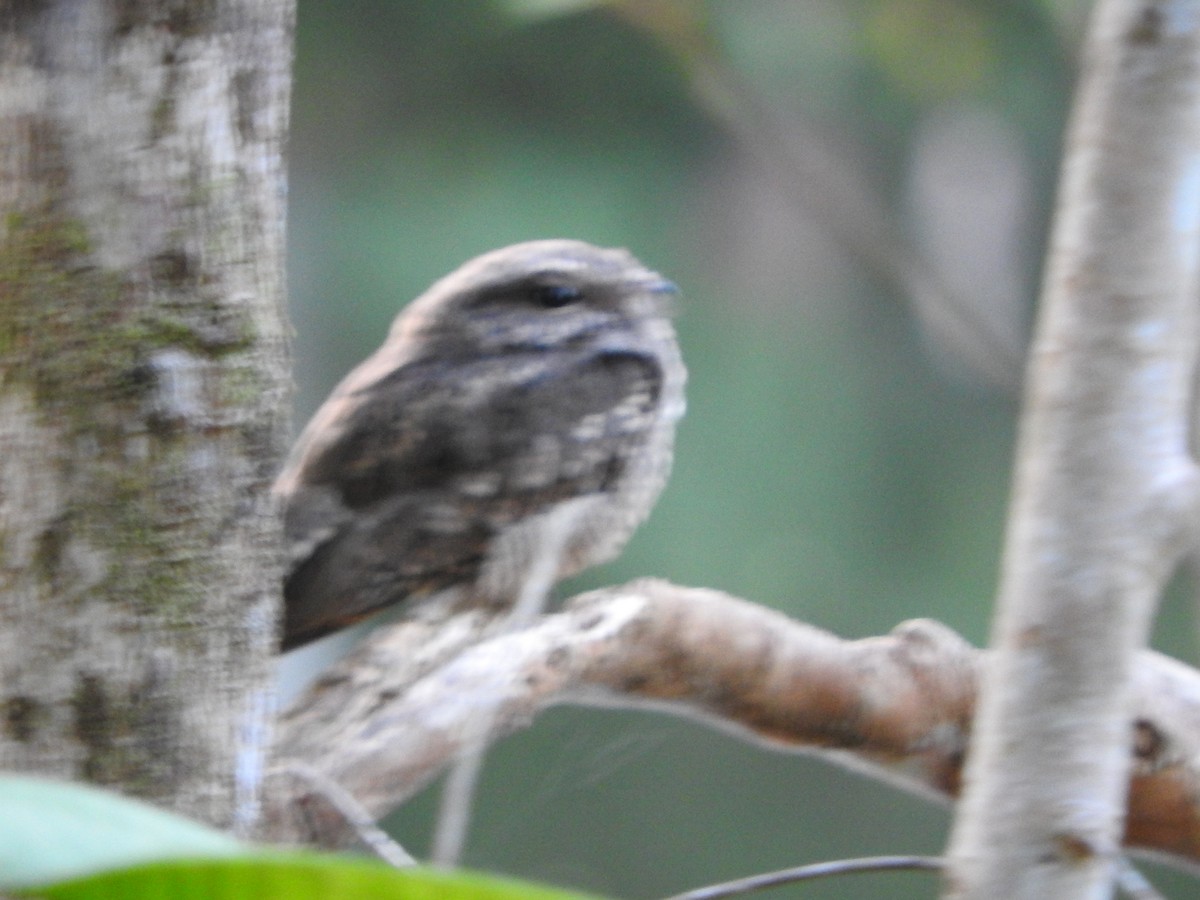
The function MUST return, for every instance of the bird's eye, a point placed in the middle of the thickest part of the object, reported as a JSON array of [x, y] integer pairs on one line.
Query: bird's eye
[[554, 296]]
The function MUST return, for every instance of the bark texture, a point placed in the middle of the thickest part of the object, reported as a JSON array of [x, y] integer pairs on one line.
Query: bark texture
[[392, 716], [142, 392], [1104, 501]]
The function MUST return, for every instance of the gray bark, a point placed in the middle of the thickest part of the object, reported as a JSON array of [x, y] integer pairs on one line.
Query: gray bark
[[143, 395]]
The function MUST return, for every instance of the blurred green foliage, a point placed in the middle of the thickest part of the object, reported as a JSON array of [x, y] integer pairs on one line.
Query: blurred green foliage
[[834, 463]]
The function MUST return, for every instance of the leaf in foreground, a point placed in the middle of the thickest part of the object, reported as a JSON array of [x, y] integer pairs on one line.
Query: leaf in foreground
[[295, 877], [54, 830]]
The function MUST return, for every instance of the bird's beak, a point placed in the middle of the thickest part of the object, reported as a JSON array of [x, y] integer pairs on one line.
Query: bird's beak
[[656, 284], [659, 290]]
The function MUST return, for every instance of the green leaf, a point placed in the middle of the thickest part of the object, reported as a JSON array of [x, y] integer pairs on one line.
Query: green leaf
[[51, 831], [67, 841], [294, 877]]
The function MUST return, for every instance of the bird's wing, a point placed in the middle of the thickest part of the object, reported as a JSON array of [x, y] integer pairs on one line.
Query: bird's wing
[[417, 471]]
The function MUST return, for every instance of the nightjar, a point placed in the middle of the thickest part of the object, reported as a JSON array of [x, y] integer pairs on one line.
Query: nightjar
[[515, 427]]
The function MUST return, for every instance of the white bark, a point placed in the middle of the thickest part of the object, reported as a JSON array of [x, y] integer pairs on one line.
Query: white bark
[[1105, 489]]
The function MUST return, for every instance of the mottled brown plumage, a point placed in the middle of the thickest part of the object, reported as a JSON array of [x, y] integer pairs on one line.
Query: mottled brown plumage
[[514, 428]]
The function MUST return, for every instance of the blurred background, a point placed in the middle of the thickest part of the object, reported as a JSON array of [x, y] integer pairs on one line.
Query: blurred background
[[853, 196]]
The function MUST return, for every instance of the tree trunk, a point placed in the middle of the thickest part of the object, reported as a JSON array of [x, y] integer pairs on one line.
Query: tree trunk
[[1105, 494], [144, 392]]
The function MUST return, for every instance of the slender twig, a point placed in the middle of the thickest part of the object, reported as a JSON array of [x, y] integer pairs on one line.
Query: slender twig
[[814, 870], [819, 177], [457, 801], [371, 835], [1133, 884], [458, 794]]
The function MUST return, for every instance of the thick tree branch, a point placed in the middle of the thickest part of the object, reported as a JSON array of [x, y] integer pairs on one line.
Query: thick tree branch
[[1104, 495], [388, 719]]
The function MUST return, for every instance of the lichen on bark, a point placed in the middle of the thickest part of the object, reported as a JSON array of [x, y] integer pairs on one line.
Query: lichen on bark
[[143, 388]]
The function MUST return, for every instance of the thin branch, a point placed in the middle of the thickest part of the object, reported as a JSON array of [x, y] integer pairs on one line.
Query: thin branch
[[811, 168], [811, 872], [1132, 883], [458, 793], [453, 818], [369, 834], [384, 724]]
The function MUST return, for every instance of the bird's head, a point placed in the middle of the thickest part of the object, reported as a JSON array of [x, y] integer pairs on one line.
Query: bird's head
[[539, 294]]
